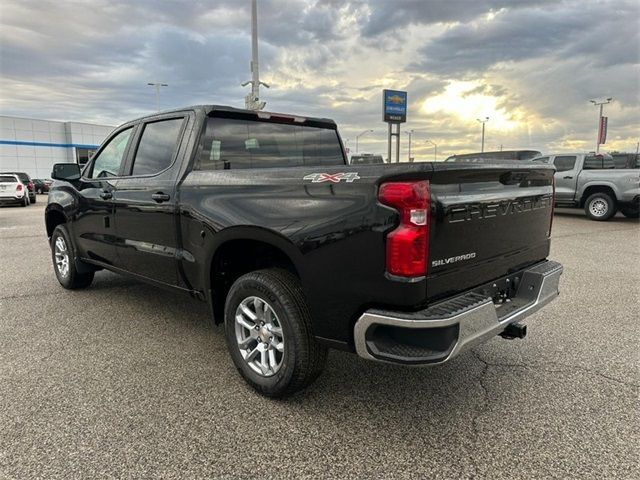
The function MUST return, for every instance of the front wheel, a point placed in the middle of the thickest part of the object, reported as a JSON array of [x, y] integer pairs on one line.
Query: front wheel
[[600, 206], [64, 264], [269, 334]]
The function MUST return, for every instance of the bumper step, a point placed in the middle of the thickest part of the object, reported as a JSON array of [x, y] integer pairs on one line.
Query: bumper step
[[440, 332]]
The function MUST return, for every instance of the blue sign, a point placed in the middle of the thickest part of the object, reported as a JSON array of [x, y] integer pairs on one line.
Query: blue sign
[[394, 106]]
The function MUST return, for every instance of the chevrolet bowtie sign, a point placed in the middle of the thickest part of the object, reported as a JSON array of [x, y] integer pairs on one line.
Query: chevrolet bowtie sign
[[394, 106]]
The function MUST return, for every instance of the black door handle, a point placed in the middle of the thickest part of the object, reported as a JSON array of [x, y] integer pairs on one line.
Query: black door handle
[[106, 195], [160, 197], [567, 178]]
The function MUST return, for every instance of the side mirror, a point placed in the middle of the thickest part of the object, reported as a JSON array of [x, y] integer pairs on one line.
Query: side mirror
[[66, 171]]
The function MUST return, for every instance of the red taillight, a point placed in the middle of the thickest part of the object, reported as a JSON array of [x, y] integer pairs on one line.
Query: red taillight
[[553, 203], [19, 187], [30, 186], [408, 244]]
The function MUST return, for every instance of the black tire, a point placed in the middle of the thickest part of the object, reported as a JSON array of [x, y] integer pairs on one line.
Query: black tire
[[303, 358], [34, 199], [25, 201], [71, 279], [600, 206], [630, 212]]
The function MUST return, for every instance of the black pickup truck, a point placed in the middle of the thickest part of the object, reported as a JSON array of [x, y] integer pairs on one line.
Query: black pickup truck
[[295, 251]]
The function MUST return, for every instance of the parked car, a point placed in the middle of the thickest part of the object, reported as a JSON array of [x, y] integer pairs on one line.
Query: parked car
[[590, 181], [12, 190], [41, 185], [295, 251], [26, 181], [502, 155]]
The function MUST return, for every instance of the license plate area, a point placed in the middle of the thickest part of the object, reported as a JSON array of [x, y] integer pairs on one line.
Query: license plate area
[[503, 290]]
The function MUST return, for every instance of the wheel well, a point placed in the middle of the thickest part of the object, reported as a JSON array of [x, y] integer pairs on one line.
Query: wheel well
[[237, 257], [596, 189], [54, 218]]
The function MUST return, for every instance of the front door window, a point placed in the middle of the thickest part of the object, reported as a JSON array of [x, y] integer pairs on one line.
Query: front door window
[[109, 160]]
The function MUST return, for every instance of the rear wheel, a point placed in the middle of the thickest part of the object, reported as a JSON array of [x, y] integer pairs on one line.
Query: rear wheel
[[64, 264], [600, 206], [269, 335], [630, 212], [25, 201]]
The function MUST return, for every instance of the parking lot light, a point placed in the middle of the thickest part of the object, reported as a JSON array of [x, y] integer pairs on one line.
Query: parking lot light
[[360, 135]]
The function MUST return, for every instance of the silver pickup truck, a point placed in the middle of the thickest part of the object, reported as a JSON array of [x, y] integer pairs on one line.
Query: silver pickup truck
[[589, 181]]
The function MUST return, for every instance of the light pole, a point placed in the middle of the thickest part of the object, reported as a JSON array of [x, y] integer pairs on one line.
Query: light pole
[[409, 132], [157, 85], [600, 104], [486, 119], [252, 99], [358, 137], [435, 149]]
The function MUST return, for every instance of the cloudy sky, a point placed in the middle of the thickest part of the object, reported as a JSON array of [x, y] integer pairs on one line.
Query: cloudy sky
[[530, 66]]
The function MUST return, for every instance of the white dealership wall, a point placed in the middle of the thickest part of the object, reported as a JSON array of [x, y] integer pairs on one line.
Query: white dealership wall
[[33, 146]]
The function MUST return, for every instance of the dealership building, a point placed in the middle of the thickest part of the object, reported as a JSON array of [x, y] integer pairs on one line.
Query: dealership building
[[33, 146]]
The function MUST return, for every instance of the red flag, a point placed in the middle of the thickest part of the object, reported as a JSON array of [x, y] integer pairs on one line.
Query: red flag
[[602, 131]]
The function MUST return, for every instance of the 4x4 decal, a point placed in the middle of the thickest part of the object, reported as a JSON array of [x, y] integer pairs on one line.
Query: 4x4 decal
[[332, 177]]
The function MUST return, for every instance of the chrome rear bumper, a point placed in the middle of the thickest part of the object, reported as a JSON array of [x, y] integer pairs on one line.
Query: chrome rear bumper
[[440, 332]]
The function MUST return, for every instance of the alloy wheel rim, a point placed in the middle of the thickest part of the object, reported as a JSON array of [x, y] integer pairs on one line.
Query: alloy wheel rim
[[259, 336], [598, 207], [62, 256]]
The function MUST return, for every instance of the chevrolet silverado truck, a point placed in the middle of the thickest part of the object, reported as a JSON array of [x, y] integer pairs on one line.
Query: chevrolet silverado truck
[[592, 182], [295, 251]]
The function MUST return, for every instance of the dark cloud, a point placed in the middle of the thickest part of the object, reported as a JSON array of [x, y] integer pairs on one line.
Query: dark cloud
[[600, 31], [395, 15]]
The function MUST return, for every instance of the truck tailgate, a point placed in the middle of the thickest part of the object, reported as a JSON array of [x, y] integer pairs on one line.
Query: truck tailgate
[[487, 220]]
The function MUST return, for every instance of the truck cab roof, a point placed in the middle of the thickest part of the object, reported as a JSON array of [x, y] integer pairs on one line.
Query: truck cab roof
[[228, 111]]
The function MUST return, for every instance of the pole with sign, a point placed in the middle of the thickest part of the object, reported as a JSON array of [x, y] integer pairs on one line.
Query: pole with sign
[[394, 112], [602, 124]]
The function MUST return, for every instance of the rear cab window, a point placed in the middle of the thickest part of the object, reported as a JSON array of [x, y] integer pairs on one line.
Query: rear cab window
[[598, 162], [238, 143]]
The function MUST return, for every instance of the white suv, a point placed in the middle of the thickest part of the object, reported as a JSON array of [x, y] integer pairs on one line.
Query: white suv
[[12, 190]]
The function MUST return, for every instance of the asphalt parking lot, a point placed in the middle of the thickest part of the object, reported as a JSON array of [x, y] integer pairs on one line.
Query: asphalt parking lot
[[124, 380]]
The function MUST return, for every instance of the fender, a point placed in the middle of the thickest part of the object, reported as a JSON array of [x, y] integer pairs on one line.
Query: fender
[[62, 201], [599, 183], [215, 240]]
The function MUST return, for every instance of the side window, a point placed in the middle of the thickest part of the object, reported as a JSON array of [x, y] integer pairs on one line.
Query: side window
[[108, 162], [564, 163], [541, 159], [157, 147]]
